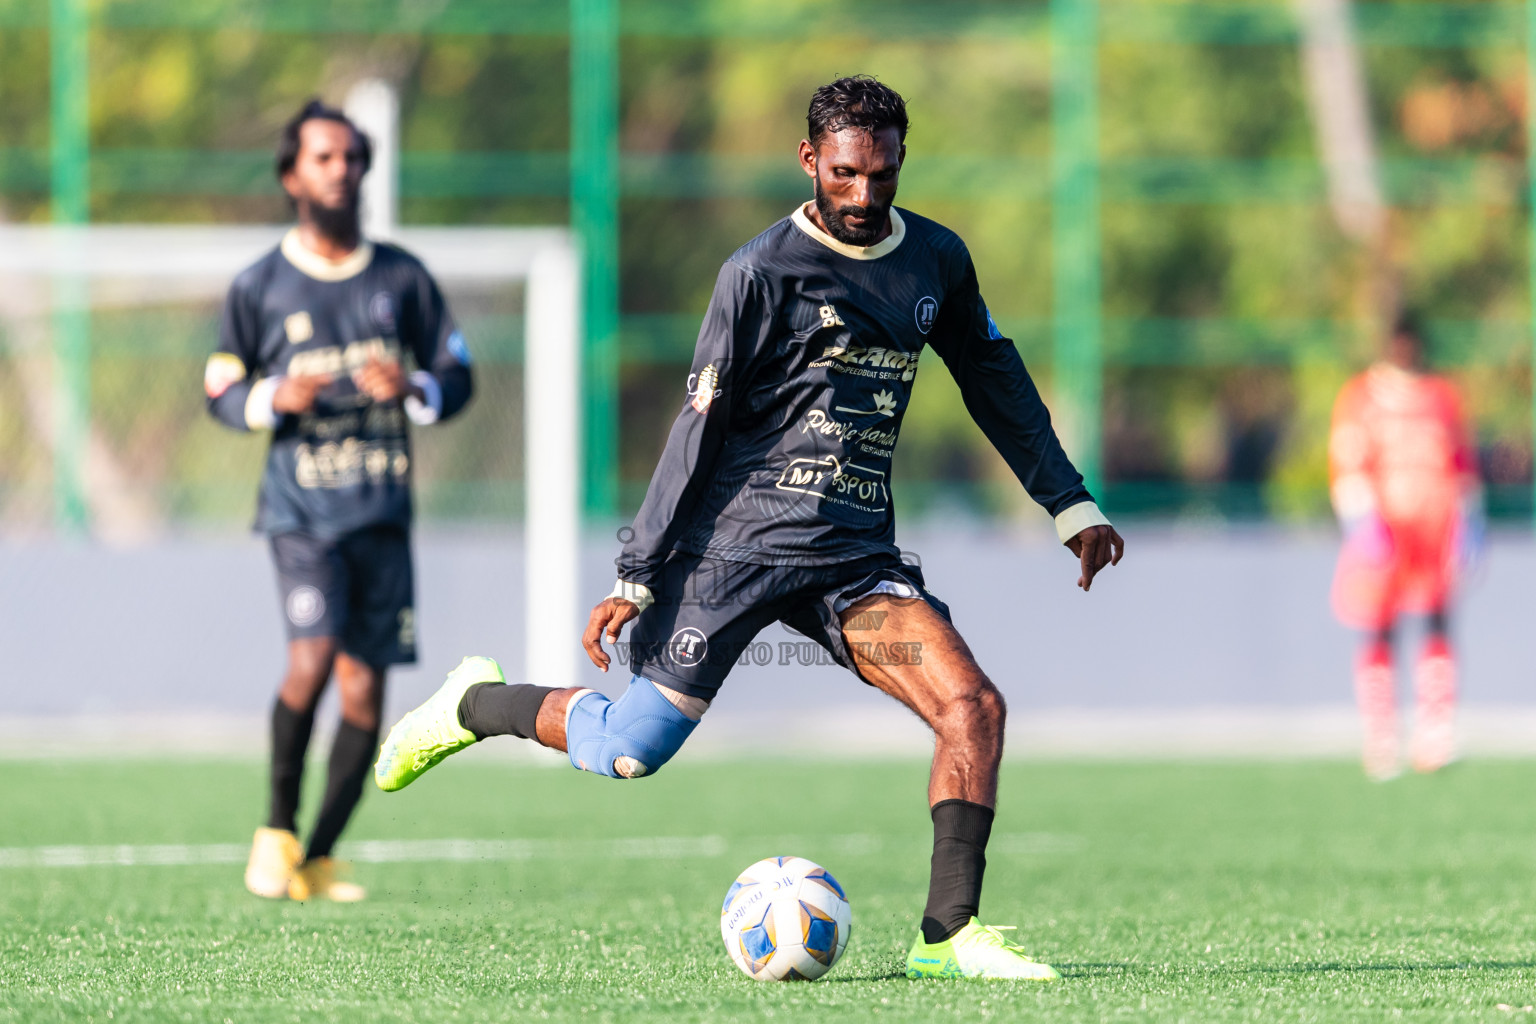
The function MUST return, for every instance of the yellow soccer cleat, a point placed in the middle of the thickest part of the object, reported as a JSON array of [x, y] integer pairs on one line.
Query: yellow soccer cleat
[[323, 878], [976, 951], [430, 733], [275, 856]]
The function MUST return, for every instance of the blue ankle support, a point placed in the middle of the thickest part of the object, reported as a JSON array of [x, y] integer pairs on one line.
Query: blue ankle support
[[641, 725]]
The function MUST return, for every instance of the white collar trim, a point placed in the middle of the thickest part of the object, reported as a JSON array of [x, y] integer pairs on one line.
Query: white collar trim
[[873, 252], [322, 269]]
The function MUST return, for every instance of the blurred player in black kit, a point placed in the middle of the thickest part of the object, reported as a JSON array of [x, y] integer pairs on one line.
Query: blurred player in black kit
[[311, 349], [771, 503]]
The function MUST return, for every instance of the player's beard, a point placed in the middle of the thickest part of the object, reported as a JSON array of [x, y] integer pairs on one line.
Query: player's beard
[[834, 217], [339, 223]]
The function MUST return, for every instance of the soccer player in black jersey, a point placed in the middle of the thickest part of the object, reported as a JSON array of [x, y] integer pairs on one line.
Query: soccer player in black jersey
[[312, 349], [772, 502]]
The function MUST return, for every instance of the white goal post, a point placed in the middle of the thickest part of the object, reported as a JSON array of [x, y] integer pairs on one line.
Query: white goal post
[[48, 269]]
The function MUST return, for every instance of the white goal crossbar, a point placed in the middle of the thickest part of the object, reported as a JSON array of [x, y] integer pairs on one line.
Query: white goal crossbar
[[50, 269]]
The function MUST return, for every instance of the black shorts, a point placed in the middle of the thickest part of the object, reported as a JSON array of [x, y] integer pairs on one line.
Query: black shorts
[[708, 613], [358, 588]]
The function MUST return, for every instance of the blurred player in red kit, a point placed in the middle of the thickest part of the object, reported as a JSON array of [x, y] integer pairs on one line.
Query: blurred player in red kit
[[1406, 491]]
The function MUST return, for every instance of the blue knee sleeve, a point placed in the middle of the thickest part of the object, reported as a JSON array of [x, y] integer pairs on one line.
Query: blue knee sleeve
[[642, 725]]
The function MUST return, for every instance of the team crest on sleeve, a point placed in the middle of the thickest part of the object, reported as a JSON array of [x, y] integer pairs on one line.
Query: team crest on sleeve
[[458, 348], [703, 389], [299, 327], [992, 331], [926, 312], [224, 369]]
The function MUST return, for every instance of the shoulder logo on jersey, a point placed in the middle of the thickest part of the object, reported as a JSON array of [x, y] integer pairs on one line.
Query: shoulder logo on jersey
[[458, 348], [992, 331], [829, 317], [926, 312], [688, 647], [703, 389], [224, 369], [382, 308], [299, 327]]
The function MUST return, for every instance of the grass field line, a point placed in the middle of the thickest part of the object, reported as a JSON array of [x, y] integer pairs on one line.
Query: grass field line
[[410, 851]]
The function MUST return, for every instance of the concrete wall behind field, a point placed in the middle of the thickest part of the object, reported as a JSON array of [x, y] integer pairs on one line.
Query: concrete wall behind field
[[1189, 620]]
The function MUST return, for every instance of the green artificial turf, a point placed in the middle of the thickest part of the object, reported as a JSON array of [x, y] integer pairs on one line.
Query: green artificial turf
[[1218, 892]]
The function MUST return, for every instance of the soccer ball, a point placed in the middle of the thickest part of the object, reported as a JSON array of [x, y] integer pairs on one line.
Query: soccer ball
[[785, 919]]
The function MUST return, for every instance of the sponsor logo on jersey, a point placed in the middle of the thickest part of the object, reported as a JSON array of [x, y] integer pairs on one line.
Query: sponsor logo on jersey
[[870, 361], [688, 647], [458, 348], [885, 405], [841, 483], [702, 388], [872, 437], [829, 317], [335, 361], [382, 308], [299, 327], [224, 369], [926, 312], [305, 606], [349, 463]]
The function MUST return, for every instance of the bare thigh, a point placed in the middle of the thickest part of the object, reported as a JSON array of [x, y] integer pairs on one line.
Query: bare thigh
[[934, 674], [931, 667]]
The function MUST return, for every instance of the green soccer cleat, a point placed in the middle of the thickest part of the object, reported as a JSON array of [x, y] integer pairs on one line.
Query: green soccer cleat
[[432, 732], [975, 951]]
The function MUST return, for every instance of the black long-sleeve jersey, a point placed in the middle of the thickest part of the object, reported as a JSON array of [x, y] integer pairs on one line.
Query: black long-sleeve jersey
[[346, 464], [803, 370]]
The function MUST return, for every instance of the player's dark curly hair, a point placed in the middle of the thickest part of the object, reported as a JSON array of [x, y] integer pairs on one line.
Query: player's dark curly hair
[[858, 101], [314, 110]]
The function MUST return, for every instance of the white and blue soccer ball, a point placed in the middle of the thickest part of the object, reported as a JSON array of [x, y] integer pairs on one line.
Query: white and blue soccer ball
[[785, 919]]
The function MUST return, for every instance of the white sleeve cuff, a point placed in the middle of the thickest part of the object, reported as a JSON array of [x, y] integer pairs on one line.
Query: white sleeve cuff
[[637, 594], [1073, 521], [259, 414], [424, 413]]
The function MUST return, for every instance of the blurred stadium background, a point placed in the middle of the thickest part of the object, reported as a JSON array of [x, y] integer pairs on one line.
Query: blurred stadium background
[[1192, 217]]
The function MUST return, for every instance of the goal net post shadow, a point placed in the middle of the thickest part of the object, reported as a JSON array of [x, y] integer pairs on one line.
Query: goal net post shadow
[[55, 273]]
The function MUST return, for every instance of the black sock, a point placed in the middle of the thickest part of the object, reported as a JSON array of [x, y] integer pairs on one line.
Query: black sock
[[497, 709], [290, 741], [351, 757], [960, 832]]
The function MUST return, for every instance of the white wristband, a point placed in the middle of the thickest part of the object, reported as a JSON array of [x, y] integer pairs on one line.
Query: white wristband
[[637, 594], [1073, 521], [259, 414], [425, 412]]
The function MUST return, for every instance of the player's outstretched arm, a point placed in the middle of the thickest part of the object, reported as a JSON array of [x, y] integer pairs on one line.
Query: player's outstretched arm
[[1004, 402], [606, 620], [1096, 547]]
